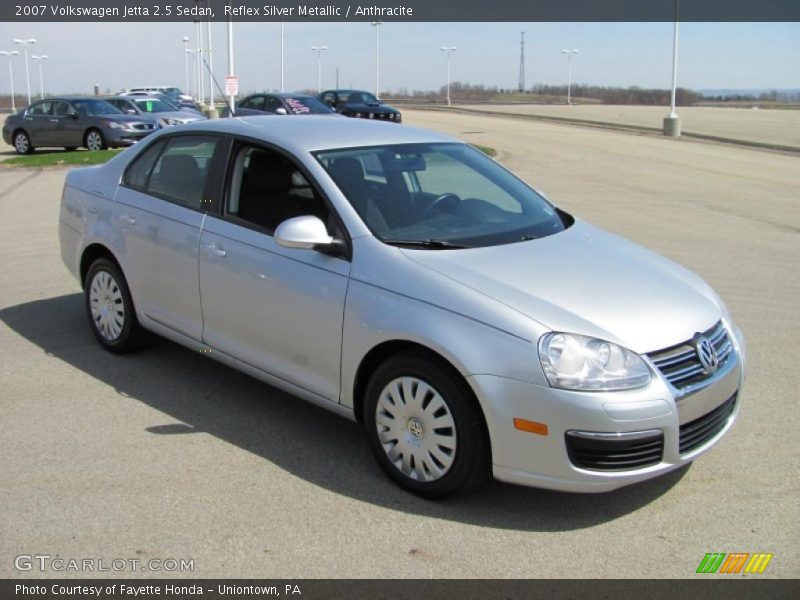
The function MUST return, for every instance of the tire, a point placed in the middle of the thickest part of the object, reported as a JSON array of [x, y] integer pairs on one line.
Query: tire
[[94, 140], [110, 310], [22, 143], [411, 398], [70, 148]]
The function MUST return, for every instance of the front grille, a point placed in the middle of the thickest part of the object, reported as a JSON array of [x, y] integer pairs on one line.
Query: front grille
[[696, 433], [615, 452], [681, 365]]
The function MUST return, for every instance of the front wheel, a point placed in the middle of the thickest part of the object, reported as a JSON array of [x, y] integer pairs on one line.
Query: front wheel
[[425, 426], [95, 140], [109, 307], [22, 143]]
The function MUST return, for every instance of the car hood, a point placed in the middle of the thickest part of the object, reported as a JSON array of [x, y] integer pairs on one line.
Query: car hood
[[585, 280]]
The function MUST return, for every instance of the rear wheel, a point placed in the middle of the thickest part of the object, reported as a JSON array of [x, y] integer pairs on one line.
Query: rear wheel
[[95, 140], [425, 427], [109, 307], [22, 143]]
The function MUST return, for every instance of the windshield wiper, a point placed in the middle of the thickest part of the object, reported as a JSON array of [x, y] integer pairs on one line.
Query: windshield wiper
[[431, 244]]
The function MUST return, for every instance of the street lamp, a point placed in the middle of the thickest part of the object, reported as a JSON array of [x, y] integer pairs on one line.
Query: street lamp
[[191, 52], [377, 26], [319, 50], [185, 40], [569, 54], [25, 44], [11, 54], [282, 86], [40, 60], [447, 50]]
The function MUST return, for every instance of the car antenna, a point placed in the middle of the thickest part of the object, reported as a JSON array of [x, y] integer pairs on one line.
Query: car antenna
[[231, 111]]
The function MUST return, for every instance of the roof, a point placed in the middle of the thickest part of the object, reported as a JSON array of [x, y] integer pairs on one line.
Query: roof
[[320, 132]]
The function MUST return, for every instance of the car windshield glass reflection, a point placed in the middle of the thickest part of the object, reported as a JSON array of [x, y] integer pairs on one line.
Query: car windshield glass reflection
[[150, 105], [437, 195], [306, 105], [89, 108]]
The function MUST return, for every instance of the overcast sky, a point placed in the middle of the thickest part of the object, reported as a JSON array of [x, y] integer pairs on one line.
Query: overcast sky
[[712, 55]]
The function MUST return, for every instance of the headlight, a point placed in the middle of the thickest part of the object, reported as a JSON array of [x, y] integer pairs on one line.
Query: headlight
[[577, 362], [115, 125], [171, 121], [357, 115]]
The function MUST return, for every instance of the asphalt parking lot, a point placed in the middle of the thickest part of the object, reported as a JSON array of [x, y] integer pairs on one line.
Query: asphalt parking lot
[[167, 454]]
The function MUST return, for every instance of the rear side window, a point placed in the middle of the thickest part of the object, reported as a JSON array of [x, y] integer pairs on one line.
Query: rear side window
[[175, 169]]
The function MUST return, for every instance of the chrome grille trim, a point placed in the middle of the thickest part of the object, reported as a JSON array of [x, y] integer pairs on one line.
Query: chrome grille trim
[[680, 364]]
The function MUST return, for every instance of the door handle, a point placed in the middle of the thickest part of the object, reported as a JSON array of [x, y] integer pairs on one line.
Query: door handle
[[214, 251], [128, 220], [53, 120]]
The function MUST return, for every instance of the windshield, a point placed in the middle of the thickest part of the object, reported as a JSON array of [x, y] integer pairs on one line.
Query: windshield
[[439, 195], [153, 105], [89, 108], [358, 98], [306, 105]]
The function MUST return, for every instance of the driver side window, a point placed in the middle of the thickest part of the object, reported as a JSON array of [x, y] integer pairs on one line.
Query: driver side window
[[266, 189]]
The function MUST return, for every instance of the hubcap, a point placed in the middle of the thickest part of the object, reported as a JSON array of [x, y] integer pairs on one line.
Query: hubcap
[[107, 307], [93, 141], [416, 429], [22, 143]]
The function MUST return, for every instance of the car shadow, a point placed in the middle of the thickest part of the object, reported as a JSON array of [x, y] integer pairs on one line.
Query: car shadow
[[206, 396]]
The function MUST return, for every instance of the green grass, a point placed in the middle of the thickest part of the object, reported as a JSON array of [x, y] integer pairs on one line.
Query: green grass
[[76, 158], [488, 151]]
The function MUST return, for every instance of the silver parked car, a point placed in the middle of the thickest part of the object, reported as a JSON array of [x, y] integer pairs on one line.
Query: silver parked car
[[402, 279], [157, 110]]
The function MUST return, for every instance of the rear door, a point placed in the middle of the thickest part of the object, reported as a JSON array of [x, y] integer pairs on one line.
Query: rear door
[[40, 124], [159, 212]]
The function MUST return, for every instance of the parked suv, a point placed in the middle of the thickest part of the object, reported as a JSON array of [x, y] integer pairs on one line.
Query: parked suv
[[361, 105]]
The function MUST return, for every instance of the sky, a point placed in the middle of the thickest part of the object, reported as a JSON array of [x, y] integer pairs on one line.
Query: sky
[[115, 55]]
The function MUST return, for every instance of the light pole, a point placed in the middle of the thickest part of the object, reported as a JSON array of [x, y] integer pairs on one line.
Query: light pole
[[377, 26], [40, 60], [672, 123], [25, 44], [185, 40], [231, 97], [447, 50], [212, 109], [282, 86], [11, 54], [198, 38], [319, 50], [193, 89], [569, 54]]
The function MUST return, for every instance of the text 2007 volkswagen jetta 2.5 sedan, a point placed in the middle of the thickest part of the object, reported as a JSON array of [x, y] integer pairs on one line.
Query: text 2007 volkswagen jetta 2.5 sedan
[[401, 278]]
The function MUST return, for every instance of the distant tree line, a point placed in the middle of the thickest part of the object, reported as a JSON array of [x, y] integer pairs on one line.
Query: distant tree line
[[543, 92]]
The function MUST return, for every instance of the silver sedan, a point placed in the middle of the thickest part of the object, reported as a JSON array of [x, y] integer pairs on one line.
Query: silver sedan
[[402, 279]]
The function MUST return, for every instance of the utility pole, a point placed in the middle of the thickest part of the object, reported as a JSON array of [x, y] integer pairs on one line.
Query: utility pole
[[522, 63]]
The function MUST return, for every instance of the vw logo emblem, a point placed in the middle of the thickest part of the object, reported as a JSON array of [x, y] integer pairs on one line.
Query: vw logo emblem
[[415, 427], [707, 354]]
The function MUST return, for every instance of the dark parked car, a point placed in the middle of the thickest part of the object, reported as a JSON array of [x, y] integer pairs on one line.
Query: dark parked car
[[73, 122], [279, 104], [163, 113], [361, 105]]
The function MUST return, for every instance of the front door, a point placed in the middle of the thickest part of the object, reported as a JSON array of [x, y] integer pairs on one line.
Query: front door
[[277, 309]]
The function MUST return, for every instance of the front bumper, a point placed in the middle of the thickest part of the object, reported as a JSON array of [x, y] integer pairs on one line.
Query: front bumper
[[544, 460], [119, 138]]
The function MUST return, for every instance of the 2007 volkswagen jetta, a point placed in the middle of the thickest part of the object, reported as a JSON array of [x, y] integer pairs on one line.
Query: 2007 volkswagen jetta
[[401, 278]]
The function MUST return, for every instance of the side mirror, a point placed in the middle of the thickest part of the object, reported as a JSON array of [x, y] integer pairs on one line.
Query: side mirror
[[130, 111], [72, 114], [281, 111], [306, 232]]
